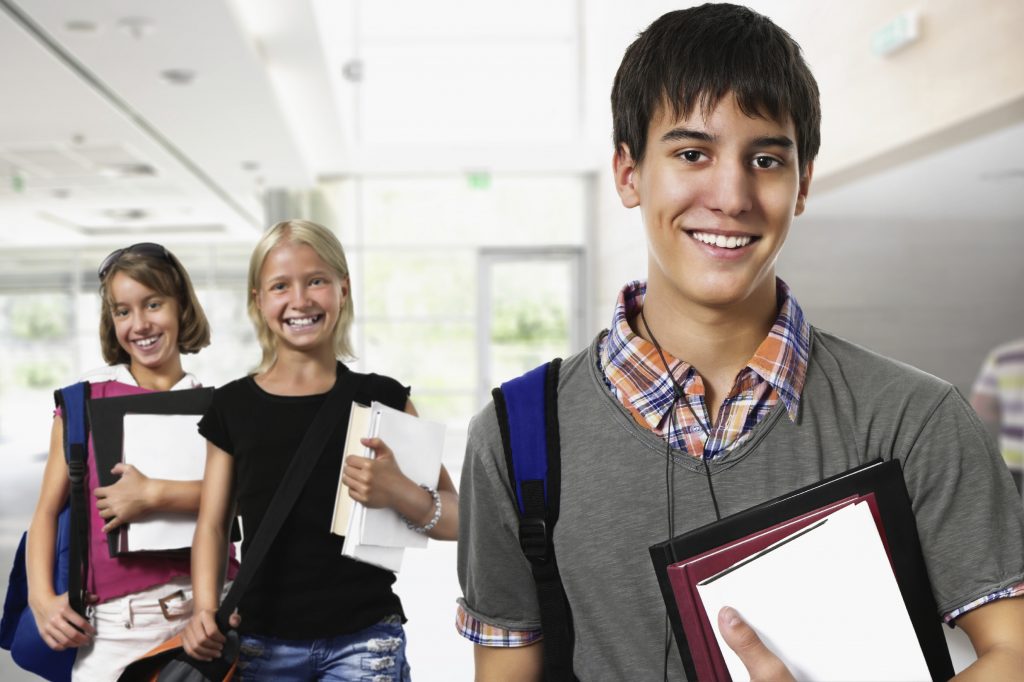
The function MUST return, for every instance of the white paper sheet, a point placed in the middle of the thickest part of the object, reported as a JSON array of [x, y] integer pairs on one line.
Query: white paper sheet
[[826, 602], [168, 447]]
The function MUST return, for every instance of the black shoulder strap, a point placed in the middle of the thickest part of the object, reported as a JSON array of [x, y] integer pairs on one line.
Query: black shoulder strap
[[527, 409], [312, 446], [71, 400]]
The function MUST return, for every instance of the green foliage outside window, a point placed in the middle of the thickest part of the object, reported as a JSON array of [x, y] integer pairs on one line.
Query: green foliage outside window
[[39, 318]]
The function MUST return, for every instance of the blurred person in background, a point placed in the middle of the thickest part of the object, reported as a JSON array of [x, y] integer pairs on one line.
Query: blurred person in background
[[998, 398]]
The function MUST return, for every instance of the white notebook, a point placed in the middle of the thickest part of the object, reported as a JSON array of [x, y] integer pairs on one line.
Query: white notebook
[[166, 446], [379, 536], [825, 600]]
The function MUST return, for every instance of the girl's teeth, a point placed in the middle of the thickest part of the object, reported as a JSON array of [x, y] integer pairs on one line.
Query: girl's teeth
[[146, 343], [302, 321], [721, 241]]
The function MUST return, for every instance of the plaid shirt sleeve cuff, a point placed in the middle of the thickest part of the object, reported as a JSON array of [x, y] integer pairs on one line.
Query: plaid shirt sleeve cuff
[[1012, 591], [479, 632]]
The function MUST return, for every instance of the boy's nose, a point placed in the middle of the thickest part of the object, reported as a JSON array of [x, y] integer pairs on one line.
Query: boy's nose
[[731, 191]]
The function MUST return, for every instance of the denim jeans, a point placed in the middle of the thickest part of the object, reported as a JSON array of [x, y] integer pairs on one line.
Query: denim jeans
[[376, 654]]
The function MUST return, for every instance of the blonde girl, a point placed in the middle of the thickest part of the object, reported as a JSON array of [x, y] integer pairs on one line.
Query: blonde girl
[[309, 613]]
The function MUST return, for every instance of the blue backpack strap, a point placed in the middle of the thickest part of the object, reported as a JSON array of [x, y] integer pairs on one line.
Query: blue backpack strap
[[527, 409], [72, 399], [18, 631]]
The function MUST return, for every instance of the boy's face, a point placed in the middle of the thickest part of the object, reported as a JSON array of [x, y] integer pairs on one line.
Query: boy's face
[[717, 196]]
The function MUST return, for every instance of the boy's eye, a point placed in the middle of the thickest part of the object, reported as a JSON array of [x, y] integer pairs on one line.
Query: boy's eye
[[691, 155], [766, 162]]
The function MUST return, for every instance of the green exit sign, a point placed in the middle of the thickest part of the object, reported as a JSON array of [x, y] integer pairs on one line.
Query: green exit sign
[[896, 34]]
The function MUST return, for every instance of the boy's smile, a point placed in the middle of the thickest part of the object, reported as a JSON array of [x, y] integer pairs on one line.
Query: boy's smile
[[717, 197]]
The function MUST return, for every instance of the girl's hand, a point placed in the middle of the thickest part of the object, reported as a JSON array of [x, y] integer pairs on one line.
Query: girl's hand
[[373, 482], [59, 625], [202, 639], [128, 500]]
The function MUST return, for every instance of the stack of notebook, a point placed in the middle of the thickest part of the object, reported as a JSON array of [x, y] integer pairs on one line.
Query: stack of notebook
[[831, 576]]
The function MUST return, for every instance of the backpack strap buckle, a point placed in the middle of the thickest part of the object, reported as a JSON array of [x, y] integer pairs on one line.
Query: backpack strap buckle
[[533, 539]]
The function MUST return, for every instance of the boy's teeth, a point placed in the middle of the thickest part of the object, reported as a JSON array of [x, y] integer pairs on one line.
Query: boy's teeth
[[721, 241]]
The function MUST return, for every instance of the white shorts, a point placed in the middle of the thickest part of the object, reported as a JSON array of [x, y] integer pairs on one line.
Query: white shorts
[[129, 626]]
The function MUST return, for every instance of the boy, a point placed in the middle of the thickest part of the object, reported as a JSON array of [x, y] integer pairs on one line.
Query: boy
[[710, 393]]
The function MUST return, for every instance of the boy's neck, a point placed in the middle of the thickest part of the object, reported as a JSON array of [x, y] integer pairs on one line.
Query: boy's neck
[[162, 378], [717, 342], [299, 373]]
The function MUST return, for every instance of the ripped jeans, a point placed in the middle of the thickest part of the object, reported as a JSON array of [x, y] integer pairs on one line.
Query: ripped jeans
[[376, 654]]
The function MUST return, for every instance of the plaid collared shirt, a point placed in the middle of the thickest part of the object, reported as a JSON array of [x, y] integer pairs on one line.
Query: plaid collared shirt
[[636, 375]]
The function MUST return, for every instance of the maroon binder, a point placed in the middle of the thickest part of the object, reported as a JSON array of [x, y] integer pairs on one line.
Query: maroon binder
[[684, 576]]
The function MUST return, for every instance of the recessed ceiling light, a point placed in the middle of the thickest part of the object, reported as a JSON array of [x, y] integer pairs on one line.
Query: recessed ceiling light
[[136, 27], [80, 26], [178, 76], [126, 213], [352, 70], [127, 170]]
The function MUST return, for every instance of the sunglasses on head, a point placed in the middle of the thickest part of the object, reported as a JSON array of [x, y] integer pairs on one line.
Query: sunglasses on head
[[142, 249]]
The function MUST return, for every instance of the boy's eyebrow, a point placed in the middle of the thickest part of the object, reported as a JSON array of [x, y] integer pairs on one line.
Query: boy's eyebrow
[[774, 141], [684, 134], [678, 134]]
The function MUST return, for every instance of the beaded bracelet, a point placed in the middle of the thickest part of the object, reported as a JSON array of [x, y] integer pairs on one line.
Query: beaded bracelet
[[434, 519]]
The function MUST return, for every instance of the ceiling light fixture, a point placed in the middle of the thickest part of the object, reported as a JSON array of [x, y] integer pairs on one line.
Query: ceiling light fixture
[[136, 27], [126, 214], [127, 170], [80, 26], [178, 76]]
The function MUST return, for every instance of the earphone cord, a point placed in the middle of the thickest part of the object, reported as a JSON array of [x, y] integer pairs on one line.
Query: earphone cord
[[678, 395]]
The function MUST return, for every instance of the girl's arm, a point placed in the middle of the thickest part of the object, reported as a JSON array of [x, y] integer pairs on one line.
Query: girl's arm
[[58, 624], [201, 637], [135, 495], [378, 482]]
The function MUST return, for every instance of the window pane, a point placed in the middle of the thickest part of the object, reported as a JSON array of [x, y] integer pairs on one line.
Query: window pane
[[407, 284], [531, 308], [429, 356]]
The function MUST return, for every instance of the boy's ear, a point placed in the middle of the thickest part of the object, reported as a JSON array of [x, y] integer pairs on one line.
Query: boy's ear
[[624, 168], [805, 186]]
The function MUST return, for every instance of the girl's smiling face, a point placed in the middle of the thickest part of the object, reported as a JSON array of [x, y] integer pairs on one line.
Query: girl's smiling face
[[146, 323], [300, 297]]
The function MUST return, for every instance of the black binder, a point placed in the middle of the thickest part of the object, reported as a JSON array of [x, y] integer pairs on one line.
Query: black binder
[[106, 418], [885, 480]]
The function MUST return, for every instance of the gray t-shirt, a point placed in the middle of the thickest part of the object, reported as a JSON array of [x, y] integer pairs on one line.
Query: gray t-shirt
[[856, 406]]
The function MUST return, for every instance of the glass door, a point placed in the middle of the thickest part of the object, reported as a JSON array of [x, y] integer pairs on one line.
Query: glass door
[[530, 310]]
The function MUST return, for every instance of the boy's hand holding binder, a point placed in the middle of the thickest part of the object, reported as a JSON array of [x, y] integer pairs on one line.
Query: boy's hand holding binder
[[759, 660]]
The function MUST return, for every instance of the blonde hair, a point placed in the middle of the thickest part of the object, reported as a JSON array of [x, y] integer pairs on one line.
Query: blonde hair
[[167, 276], [327, 246]]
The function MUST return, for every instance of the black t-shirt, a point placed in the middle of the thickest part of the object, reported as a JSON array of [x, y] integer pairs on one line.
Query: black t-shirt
[[305, 588]]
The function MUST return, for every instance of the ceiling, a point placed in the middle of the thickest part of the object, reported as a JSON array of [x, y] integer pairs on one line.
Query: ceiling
[[141, 120]]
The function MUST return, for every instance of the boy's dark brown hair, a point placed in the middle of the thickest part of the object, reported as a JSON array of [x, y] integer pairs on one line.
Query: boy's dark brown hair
[[693, 57], [164, 274]]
